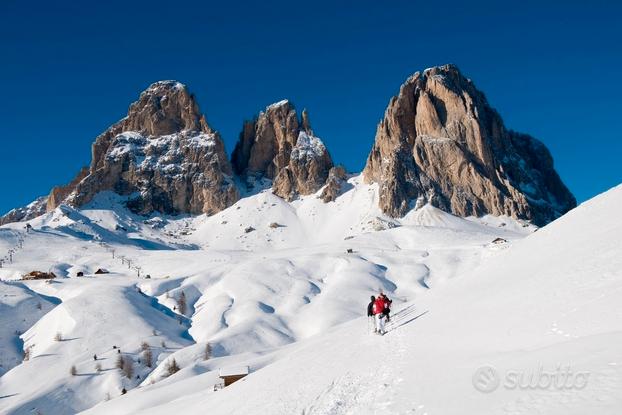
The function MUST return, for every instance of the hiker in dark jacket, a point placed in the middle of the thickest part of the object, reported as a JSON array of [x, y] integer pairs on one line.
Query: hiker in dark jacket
[[370, 314], [370, 307], [387, 307]]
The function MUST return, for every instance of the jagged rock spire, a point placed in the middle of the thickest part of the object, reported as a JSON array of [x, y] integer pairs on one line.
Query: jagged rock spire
[[279, 146]]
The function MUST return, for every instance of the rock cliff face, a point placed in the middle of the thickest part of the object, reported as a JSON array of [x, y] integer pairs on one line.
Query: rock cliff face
[[280, 147], [441, 142], [60, 193], [334, 184], [32, 210], [163, 155]]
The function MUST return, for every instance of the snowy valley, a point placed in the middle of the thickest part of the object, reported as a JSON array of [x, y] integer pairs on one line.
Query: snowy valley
[[288, 301], [168, 277]]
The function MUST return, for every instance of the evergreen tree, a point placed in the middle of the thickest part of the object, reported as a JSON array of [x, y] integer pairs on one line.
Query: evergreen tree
[[171, 367]]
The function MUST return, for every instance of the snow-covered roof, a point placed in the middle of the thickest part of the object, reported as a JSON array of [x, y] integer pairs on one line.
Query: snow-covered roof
[[233, 371]]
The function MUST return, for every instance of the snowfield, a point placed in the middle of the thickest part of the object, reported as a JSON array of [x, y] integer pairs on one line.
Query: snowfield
[[530, 324]]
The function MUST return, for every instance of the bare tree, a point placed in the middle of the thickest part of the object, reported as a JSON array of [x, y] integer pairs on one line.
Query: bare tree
[[144, 346], [98, 367], [27, 353], [58, 336], [120, 362], [181, 303], [73, 371], [207, 353], [148, 358], [128, 368]]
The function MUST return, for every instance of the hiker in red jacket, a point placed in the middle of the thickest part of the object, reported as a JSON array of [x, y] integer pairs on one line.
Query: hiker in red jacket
[[378, 309]]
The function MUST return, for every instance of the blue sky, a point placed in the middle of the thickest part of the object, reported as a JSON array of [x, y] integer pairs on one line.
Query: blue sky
[[70, 69]]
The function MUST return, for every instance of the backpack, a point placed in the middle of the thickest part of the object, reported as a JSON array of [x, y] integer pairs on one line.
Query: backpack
[[378, 306]]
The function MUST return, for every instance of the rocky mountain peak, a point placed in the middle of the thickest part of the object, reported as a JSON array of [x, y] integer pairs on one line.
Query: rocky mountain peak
[[280, 146], [441, 142], [163, 153], [165, 107]]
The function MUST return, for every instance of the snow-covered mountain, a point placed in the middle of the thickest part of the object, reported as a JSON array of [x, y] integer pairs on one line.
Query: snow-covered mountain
[[163, 265], [281, 287], [258, 276], [440, 142], [534, 329]]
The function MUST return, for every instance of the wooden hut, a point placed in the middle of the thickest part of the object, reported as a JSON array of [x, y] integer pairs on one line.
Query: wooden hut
[[233, 374], [39, 275]]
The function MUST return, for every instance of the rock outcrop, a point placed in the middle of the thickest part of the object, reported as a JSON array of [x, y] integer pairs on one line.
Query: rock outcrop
[[60, 193], [32, 210], [164, 152], [334, 184], [163, 156], [279, 146], [441, 142]]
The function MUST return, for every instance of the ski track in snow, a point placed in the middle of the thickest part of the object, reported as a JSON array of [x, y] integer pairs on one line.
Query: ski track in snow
[[374, 391]]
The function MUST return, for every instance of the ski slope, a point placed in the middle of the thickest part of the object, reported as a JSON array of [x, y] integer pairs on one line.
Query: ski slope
[[271, 285]]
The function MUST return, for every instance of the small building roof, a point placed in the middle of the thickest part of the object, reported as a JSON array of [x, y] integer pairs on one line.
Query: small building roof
[[233, 371]]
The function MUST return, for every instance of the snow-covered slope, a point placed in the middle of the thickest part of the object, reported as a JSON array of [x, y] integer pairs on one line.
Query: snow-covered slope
[[20, 308], [279, 287], [543, 319]]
